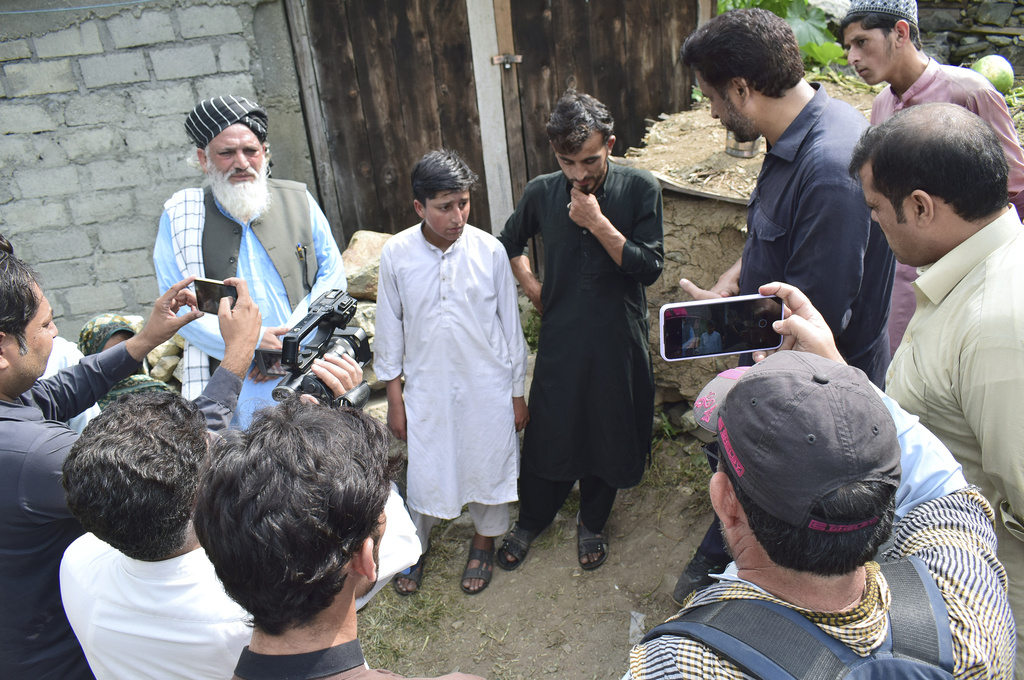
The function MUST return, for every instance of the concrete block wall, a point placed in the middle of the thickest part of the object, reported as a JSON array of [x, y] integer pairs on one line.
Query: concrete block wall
[[91, 136]]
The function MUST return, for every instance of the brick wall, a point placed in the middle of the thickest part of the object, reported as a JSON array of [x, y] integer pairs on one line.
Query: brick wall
[[91, 136]]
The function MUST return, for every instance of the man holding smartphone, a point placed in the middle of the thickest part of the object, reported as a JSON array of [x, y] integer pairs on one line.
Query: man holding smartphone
[[36, 640], [269, 232], [807, 223]]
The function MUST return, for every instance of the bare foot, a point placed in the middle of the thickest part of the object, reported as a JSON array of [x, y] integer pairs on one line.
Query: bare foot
[[408, 582]]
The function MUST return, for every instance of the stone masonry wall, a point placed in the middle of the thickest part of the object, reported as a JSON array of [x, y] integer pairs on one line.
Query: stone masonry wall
[[92, 141], [963, 32]]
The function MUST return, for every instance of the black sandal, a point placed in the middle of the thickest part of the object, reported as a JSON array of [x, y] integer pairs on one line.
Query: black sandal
[[516, 544], [414, 574], [587, 542], [484, 571]]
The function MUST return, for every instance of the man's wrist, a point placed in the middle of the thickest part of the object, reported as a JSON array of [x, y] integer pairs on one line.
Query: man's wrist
[[138, 346]]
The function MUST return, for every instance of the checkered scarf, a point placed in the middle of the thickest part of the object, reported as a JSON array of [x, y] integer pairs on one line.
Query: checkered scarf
[[187, 213]]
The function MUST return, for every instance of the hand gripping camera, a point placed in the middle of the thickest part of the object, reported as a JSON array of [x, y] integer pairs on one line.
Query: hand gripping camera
[[326, 324]]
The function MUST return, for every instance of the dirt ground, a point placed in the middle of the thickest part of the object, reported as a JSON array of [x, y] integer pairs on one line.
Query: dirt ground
[[550, 617], [687, 149]]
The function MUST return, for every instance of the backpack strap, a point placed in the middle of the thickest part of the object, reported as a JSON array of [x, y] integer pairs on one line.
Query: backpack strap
[[763, 639], [917, 615], [768, 640]]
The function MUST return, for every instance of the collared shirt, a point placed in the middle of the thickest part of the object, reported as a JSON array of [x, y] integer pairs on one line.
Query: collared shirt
[[808, 226], [971, 90], [341, 662], [959, 369], [449, 321], [35, 637]]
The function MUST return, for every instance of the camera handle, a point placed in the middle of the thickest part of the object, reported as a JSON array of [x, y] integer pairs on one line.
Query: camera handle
[[355, 397]]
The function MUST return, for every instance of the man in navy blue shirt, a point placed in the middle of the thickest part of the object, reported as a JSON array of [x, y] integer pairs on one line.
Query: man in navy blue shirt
[[807, 222]]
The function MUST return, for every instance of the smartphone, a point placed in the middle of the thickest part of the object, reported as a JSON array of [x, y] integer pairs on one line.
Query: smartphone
[[711, 328], [268, 361], [209, 292]]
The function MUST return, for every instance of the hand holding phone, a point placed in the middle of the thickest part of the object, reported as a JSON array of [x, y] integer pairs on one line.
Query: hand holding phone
[[209, 292], [720, 326]]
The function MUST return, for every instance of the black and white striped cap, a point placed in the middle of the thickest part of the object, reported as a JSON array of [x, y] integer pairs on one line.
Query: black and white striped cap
[[211, 116]]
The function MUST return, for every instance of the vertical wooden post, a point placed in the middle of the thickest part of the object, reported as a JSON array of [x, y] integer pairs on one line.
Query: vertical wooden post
[[492, 119], [510, 99]]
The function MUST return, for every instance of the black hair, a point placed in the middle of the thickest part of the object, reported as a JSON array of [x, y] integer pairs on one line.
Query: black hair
[[286, 504], [752, 44], [439, 172], [18, 299], [886, 22], [942, 149], [131, 477], [820, 552], [575, 118]]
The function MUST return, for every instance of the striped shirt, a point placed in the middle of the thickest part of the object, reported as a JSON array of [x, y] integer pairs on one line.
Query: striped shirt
[[953, 535]]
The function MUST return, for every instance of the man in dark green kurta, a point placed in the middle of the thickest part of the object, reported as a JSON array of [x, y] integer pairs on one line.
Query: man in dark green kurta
[[592, 399]]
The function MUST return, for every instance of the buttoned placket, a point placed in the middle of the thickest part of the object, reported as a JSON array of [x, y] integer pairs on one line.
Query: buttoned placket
[[445, 271]]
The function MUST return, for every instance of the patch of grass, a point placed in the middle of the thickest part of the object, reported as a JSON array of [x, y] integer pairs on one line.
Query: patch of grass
[[392, 627], [531, 328], [676, 463]]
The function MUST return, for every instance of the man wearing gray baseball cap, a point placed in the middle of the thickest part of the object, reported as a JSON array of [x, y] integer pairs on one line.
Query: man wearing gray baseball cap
[[815, 488]]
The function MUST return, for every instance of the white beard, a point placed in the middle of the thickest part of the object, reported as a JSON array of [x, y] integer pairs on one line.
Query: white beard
[[244, 200]]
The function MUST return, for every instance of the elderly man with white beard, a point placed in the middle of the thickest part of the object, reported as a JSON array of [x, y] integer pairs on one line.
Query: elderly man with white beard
[[269, 232]]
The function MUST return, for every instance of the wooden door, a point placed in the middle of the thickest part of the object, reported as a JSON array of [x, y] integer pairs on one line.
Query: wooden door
[[623, 52], [383, 82]]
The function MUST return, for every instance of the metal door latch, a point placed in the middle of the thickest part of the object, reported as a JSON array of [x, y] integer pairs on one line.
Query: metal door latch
[[507, 59]]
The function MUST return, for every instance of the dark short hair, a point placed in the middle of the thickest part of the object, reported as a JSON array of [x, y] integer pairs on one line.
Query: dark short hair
[[286, 504], [752, 44], [820, 552], [438, 172], [886, 22], [131, 477], [18, 299], [942, 149], [576, 117]]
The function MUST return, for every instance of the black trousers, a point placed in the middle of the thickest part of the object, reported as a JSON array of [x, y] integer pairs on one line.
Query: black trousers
[[541, 499], [713, 545]]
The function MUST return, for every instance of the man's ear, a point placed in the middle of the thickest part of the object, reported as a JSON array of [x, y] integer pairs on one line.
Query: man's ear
[[362, 561], [5, 348], [420, 210], [724, 501], [741, 88], [902, 30], [922, 206], [610, 143], [201, 155]]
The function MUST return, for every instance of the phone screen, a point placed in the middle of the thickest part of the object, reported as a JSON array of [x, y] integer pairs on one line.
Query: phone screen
[[708, 328], [268, 361], [209, 292]]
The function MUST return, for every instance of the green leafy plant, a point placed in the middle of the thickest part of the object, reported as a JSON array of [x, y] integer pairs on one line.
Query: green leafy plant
[[809, 24], [823, 54]]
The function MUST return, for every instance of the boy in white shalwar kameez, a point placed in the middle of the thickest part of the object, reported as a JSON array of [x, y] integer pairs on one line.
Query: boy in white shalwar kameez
[[448, 319]]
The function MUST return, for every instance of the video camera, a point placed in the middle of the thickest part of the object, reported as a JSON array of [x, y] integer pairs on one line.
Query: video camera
[[327, 324]]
